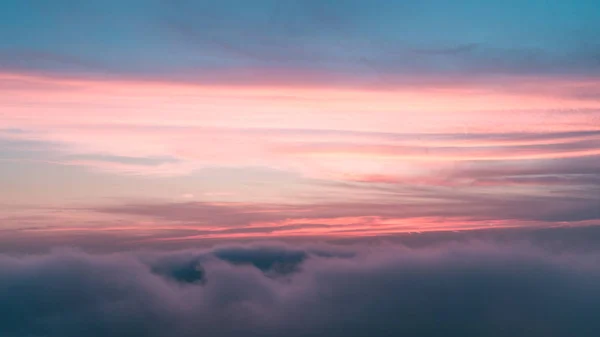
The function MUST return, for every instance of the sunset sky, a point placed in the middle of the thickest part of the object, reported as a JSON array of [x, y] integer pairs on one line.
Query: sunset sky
[[140, 122], [299, 168]]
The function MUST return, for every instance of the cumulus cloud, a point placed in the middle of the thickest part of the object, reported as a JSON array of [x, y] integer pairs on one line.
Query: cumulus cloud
[[474, 289]]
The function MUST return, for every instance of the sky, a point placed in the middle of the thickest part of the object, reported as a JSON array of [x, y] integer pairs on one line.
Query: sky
[[187, 120], [322, 168]]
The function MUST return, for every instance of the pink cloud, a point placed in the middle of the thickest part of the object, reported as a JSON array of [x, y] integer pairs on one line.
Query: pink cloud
[[406, 133]]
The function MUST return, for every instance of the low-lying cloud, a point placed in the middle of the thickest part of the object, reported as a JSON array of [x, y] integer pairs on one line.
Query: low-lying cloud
[[466, 289]]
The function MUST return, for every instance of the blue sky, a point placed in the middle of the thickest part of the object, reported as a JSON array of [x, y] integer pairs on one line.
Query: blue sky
[[168, 38]]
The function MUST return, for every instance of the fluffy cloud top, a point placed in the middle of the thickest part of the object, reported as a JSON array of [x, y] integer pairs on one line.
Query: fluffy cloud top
[[472, 289]]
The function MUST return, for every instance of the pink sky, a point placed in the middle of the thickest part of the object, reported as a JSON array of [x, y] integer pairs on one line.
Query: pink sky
[[432, 156]]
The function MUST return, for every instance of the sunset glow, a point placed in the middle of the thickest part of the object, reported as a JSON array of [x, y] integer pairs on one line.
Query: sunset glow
[[299, 168], [234, 136]]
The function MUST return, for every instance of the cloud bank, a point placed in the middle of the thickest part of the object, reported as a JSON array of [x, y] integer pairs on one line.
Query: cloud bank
[[474, 289]]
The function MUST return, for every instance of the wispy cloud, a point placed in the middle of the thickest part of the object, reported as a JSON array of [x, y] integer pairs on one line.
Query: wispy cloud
[[302, 103]]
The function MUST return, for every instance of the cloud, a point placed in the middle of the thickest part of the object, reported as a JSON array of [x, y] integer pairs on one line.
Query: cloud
[[471, 289], [362, 116], [570, 204], [464, 48], [445, 153], [538, 200]]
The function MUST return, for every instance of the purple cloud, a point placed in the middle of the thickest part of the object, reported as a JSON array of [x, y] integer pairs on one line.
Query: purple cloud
[[472, 289]]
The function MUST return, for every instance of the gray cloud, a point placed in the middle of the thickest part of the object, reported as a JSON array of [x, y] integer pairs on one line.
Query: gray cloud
[[469, 289]]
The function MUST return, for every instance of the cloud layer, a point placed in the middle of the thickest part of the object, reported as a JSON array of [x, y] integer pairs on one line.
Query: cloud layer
[[474, 289]]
